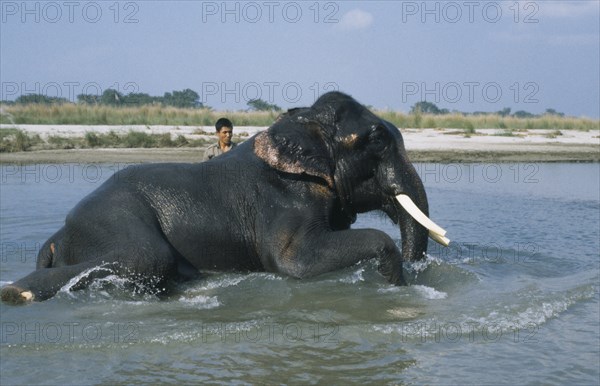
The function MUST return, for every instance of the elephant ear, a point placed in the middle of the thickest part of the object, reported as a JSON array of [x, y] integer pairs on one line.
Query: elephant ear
[[298, 145]]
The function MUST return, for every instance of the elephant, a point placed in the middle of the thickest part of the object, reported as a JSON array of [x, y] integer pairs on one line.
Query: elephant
[[282, 201]]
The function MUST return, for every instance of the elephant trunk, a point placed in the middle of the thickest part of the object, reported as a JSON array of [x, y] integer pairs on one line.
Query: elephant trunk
[[409, 207], [414, 235]]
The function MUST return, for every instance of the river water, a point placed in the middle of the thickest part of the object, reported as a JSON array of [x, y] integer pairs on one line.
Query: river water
[[513, 300]]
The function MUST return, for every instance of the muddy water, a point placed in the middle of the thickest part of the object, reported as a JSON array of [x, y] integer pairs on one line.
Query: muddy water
[[513, 300]]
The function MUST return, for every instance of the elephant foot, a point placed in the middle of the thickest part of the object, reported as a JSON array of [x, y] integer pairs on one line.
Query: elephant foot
[[15, 295]]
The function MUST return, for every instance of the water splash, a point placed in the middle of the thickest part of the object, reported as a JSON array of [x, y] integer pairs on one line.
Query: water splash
[[222, 282], [220, 333], [355, 277], [113, 284], [540, 309], [67, 288], [201, 301], [504, 322], [417, 267], [429, 292]]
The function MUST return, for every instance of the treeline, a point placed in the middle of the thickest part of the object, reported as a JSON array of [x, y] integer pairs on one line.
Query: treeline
[[431, 108], [190, 99], [182, 99], [185, 99]]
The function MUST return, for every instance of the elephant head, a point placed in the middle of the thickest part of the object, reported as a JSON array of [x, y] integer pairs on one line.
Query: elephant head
[[359, 156]]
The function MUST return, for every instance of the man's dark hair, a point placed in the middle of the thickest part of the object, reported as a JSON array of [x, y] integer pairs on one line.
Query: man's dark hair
[[223, 122]]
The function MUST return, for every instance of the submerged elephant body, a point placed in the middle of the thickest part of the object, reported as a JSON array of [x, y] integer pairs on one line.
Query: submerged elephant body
[[283, 201]]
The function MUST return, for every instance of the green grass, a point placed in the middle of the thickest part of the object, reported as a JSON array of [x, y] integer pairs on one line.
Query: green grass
[[56, 142], [14, 140], [470, 123], [74, 114]]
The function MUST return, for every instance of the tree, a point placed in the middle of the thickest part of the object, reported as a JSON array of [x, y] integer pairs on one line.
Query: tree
[[185, 99], [260, 105], [40, 99], [111, 97], [505, 112], [139, 99], [427, 108], [554, 112], [88, 99], [523, 114]]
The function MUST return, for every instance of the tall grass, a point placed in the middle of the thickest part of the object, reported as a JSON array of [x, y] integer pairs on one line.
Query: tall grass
[[160, 115], [14, 140], [73, 114], [470, 123]]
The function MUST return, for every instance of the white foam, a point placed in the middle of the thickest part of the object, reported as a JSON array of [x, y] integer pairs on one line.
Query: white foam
[[221, 283], [422, 265], [269, 276], [201, 301], [354, 277], [390, 289], [535, 315], [493, 326], [430, 293], [405, 312], [174, 337], [218, 333]]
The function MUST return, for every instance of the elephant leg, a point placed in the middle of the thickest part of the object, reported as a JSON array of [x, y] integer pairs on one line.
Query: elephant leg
[[44, 283], [324, 251], [149, 260]]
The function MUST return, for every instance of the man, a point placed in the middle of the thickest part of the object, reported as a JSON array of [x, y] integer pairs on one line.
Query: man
[[224, 133]]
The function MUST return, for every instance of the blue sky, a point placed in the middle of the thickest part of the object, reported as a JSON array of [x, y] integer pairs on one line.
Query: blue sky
[[461, 55]]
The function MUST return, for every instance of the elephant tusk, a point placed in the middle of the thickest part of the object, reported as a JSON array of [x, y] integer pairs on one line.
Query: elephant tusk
[[416, 213], [439, 239], [436, 232]]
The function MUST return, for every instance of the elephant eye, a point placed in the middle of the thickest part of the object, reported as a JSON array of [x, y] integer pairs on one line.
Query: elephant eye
[[378, 138]]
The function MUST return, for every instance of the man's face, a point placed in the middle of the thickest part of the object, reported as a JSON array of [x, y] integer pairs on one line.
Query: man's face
[[225, 135]]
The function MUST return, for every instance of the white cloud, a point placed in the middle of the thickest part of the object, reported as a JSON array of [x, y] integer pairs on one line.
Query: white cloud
[[356, 19], [568, 8]]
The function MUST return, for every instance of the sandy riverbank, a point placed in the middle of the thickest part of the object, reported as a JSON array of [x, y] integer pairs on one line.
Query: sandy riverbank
[[423, 145]]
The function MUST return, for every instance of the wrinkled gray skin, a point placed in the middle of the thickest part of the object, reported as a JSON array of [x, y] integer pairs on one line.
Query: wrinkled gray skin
[[282, 201]]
